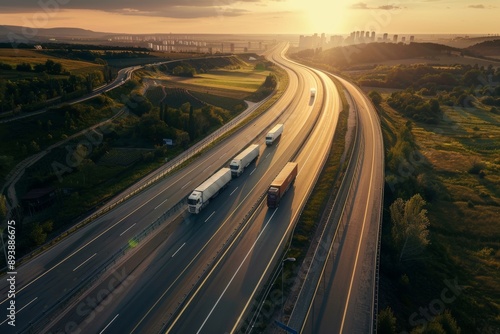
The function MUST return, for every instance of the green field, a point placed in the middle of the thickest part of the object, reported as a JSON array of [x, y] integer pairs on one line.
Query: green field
[[235, 84]]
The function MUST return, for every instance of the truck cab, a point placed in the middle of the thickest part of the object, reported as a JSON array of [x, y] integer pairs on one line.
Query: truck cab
[[195, 202], [236, 168], [273, 197]]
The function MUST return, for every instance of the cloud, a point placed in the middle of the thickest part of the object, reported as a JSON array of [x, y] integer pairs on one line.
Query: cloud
[[161, 8], [360, 5], [363, 5], [481, 6]]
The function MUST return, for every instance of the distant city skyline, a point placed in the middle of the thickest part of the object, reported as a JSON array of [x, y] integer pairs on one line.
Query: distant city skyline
[[257, 16]]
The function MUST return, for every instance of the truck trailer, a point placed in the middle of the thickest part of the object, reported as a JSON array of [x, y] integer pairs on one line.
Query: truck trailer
[[281, 184], [242, 160], [200, 197], [313, 92], [274, 134]]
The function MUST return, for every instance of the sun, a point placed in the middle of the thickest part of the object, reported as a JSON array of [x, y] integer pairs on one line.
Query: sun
[[324, 16]]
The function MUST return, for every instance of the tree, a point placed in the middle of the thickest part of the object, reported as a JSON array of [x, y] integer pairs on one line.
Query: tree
[[38, 235], [5, 163], [386, 322], [375, 97], [410, 232]]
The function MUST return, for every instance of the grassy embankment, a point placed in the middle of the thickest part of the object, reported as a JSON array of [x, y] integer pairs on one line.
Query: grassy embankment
[[456, 165]]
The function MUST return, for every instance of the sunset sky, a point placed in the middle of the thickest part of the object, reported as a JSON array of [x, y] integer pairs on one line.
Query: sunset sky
[[257, 16]]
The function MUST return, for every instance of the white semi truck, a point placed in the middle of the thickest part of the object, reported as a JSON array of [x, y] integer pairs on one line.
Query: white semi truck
[[200, 197], [313, 92], [242, 160], [274, 134]]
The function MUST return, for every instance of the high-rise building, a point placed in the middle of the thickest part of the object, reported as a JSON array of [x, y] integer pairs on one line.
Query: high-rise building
[[385, 36], [395, 38], [373, 36]]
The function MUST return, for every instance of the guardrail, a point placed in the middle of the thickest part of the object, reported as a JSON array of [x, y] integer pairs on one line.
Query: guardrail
[[38, 325]]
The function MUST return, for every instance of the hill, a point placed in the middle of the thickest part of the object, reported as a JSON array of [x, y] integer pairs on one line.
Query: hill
[[24, 34], [487, 48], [342, 57]]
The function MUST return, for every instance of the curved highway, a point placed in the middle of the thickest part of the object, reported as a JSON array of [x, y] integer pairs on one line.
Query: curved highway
[[190, 244], [165, 277]]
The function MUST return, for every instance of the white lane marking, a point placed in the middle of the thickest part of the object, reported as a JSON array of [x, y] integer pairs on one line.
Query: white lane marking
[[267, 155], [78, 250], [81, 264], [192, 261], [232, 192], [184, 186], [127, 229], [22, 308], [178, 250], [222, 155], [116, 316], [237, 271], [209, 216], [161, 204], [253, 171]]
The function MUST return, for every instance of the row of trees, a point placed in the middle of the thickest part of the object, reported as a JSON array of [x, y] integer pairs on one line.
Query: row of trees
[[184, 124], [29, 93], [49, 67]]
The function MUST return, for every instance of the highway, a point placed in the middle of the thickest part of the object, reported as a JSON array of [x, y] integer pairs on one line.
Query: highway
[[42, 282], [171, 269]]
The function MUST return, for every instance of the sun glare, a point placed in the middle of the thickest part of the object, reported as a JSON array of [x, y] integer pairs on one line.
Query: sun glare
[[324, 16]]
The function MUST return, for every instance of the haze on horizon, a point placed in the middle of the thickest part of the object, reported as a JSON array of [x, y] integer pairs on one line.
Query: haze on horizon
[[257, 16]]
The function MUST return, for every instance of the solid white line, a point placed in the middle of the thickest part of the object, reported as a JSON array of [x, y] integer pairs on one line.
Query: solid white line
[[116, 316], [209, 216], [161, 204], [236, 272], [253, 171], [22, 308], [232, 192], [81, 264], [127, 229], [184, 186], [178, 250]]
